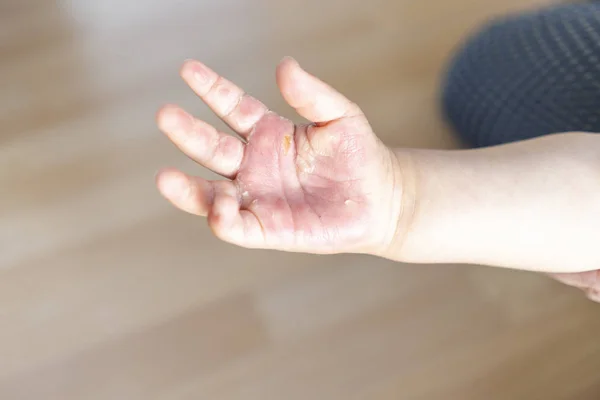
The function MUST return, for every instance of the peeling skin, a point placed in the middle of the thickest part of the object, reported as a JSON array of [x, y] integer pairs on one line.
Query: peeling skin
[[287, 143], [304, 166]]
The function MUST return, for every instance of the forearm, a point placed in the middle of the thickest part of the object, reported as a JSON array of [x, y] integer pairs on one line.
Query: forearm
[[532, 205]]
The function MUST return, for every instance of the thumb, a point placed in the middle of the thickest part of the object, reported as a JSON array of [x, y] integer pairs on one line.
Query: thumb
[[312, 98]]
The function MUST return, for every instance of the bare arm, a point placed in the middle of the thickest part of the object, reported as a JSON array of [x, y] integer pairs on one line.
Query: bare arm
[[532, 205]]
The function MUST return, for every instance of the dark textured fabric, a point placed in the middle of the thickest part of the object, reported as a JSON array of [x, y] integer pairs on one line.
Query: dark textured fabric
[[527, 75]]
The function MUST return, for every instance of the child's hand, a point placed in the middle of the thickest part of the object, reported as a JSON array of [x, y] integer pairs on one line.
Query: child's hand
[[332, 187], [327, 187]]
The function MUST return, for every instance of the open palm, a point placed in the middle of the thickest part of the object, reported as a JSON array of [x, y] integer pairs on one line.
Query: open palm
[[324, 187]]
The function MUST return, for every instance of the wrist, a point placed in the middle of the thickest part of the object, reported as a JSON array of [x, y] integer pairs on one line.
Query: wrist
[[430, 209], [402, 207]]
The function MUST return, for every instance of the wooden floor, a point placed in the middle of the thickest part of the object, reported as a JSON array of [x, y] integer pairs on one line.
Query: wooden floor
[[106, 292]]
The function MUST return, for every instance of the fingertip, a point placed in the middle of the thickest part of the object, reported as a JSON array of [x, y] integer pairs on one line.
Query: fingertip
[[172, 183], [288, 62], [198, 75], [160, 113], [190, 194], [290, 83], [187, 66], [172, 120], [285, 71]]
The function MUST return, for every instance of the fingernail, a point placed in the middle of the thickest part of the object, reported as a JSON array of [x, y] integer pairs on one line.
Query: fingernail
[[194, 69], [289, 58], [200, 74]]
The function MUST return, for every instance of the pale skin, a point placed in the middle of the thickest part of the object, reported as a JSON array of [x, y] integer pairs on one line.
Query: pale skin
[[332, 186]]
